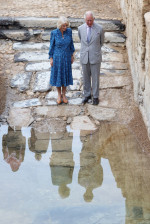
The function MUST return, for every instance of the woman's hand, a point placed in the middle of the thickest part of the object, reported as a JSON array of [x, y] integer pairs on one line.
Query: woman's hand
[[72, 59], [51, 62]]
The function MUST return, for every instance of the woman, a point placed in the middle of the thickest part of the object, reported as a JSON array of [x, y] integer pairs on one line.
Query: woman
[[61, 57]]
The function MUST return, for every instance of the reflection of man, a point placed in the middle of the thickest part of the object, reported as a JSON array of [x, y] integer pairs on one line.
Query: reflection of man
[[14, 148], [62, 164], [91, 172], [92, 37], [38, 143]]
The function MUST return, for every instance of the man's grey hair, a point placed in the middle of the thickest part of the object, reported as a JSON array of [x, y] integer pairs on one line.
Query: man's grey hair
[[89, 13], [62, 20]]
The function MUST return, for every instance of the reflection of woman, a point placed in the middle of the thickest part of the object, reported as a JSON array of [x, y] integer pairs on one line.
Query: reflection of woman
[[61, 57], [14, 148]]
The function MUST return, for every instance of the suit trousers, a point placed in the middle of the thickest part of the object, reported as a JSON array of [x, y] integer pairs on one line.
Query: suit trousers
[[91, 74]]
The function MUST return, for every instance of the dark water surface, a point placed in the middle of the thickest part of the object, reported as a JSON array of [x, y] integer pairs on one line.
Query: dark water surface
[[67, 177]]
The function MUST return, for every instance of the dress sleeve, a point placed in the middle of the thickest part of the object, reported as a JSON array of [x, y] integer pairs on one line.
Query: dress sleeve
[[52, 44], [71, 44]]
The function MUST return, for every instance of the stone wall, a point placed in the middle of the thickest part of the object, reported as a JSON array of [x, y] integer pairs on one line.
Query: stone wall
[[137, 20]]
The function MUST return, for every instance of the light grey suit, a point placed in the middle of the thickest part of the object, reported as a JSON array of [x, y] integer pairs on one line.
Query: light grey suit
[[91, 57]]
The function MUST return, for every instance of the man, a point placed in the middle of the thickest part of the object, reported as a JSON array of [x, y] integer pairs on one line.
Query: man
[[92, 37]]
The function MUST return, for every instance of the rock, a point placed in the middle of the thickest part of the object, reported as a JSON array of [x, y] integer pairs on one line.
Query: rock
[[42, 82], [19, 117], [28, 103], [82, 123], [69, 120], [102, 113], [58, 111], [21, 81]]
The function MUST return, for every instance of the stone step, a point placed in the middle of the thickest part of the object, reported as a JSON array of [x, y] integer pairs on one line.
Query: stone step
[[50, 23], [35, 56], [41, 66], [32, 46], [114, 81], [28, 103], [110, 37], [25, 35]]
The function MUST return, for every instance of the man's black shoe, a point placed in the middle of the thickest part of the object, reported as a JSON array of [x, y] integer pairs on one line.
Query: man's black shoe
[[95, 101], [85, 100]]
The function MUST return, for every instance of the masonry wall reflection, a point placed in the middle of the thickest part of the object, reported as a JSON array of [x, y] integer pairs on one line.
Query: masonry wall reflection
[[13, 148], [130, 167], [61, 162]]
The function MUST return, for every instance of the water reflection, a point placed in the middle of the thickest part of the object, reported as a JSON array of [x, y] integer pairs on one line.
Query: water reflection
[[13, 145], [91, 172], [38, 142], [113, 176], [61, 163]]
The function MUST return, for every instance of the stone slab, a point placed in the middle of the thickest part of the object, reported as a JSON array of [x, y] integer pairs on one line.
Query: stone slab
[[31, 56], [114, 66], [21, 81], [42, 82], [58, 111], [52, 95], [76, 73], [76, 85], [44, 22], [82, 123], [76, 101], [45, 65], [114, 81], [19, 117], [17, 35], [37, 66], [50, 103], [102, 113], [108, 48], [28, 103], [25, 46], [114, 98], [114, 57], [112, 37], [112, 72]]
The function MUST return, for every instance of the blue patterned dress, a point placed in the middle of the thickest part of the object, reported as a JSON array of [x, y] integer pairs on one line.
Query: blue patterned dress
[[61, 50]]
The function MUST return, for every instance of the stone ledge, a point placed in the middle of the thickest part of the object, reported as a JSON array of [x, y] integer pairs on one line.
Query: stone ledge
[[50, 23]]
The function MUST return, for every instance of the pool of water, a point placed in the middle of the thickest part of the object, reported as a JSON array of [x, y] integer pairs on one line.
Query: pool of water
[[70, 177]]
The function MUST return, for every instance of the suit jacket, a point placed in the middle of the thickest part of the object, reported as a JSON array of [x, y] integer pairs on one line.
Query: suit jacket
[[91, 51]]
